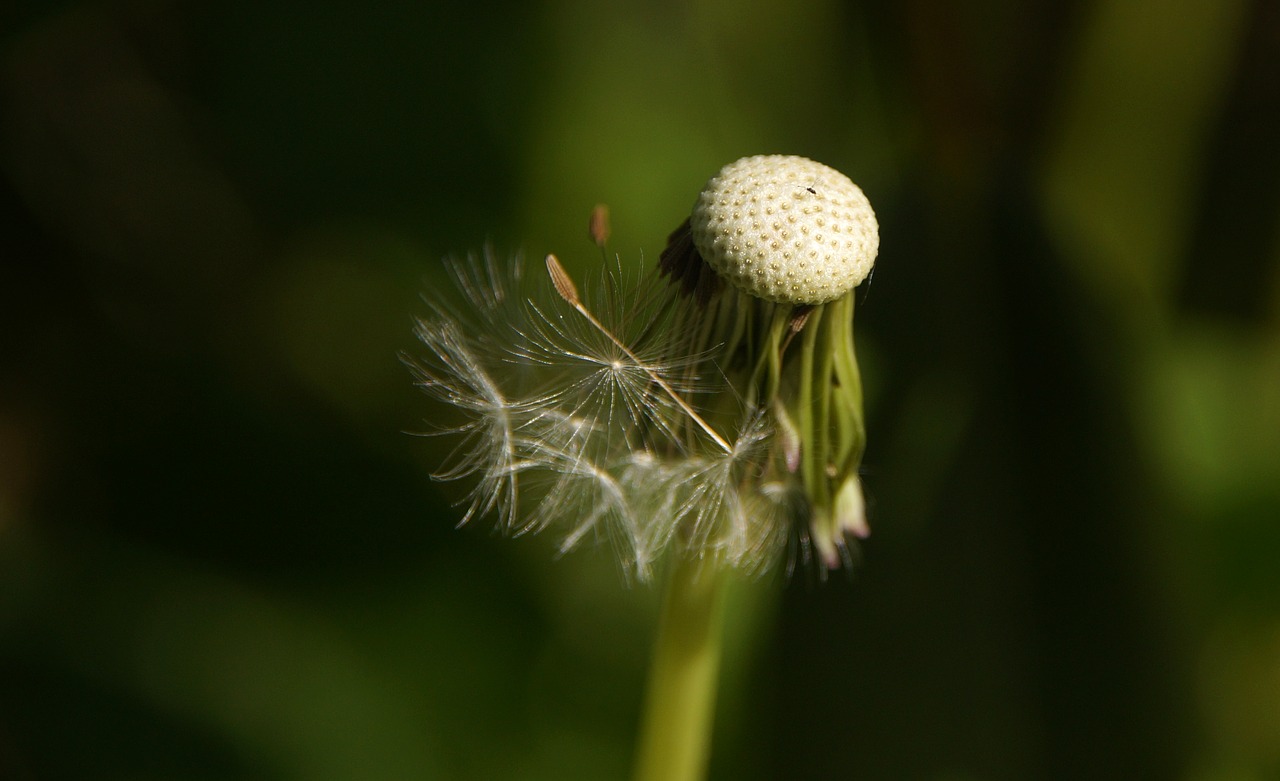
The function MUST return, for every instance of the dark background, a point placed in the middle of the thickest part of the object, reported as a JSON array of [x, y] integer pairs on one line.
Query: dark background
[[221, 557]]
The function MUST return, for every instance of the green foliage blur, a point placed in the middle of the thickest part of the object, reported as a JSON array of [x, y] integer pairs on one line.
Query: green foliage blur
[[222, 555]]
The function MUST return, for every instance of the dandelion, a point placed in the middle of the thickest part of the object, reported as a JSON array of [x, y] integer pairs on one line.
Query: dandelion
[[792, 238], [708, 412]]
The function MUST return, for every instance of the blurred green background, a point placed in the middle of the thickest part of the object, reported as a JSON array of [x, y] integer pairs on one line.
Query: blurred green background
[[222, 557]]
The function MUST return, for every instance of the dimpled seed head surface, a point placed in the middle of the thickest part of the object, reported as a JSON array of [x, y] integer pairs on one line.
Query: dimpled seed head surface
[[786, 229]]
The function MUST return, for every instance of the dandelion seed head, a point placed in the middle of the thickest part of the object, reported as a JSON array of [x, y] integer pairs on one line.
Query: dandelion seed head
[[667, 413]]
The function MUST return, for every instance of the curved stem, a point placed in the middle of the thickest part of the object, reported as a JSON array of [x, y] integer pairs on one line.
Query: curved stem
[[675, 734], [852, 428]]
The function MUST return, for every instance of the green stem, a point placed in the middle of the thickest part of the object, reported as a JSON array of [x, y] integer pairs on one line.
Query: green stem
[[812, 466], [675, 736]]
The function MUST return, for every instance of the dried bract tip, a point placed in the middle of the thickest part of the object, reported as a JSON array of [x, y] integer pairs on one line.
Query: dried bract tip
[[851, 509]]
